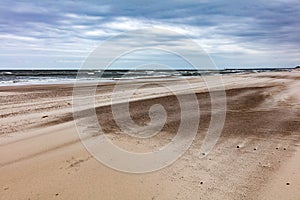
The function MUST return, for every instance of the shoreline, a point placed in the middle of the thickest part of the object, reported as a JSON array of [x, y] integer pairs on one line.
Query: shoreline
[[68, 80]]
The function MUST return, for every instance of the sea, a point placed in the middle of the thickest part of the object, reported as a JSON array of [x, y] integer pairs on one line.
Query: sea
[[21, 77]]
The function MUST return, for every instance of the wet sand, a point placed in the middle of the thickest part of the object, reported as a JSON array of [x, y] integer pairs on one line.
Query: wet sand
[[41, 156]]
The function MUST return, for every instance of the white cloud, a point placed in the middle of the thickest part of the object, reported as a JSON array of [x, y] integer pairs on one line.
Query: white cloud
[[12, 37], [82, 17], [20, 7], [99, 33], [126, 24]]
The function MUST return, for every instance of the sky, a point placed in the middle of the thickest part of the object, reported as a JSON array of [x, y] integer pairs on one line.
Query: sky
[[235, 34]]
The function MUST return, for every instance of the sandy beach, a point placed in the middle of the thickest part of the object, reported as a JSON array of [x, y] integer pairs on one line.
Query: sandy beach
[[256, 157]]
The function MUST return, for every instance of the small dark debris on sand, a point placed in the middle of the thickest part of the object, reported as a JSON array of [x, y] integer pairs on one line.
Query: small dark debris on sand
[[287, 183], [45, 116], [6, 188], [238, 146], [56, 194]]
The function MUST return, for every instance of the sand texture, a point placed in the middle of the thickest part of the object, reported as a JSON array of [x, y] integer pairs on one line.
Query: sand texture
[[256, 157]]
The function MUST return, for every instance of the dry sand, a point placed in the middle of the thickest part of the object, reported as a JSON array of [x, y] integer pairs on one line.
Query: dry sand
[[41, 156]]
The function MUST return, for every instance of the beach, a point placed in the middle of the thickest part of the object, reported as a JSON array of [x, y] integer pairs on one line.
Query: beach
[[256, 156]]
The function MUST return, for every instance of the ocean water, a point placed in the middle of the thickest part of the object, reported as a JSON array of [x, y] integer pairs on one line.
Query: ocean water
[[15, 77]]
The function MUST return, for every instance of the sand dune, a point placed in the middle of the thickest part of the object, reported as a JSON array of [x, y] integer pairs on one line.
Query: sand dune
[[41, 156]]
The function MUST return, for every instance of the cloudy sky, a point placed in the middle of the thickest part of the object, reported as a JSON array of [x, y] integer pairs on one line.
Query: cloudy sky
[[61, 34]]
